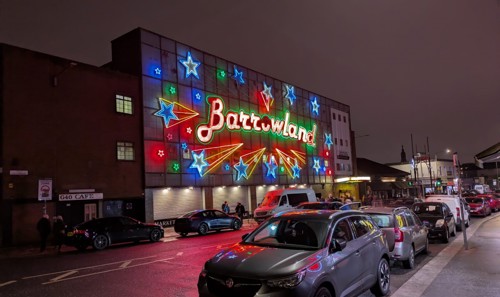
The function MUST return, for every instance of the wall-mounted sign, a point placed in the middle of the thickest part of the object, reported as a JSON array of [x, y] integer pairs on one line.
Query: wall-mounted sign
[[80, 196]]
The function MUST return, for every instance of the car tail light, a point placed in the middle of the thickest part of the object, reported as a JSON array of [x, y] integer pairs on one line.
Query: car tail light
[[458, 212], [79, 232], [398, 235]]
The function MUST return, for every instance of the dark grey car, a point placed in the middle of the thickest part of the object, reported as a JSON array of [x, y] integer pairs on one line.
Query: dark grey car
[[302, 253]]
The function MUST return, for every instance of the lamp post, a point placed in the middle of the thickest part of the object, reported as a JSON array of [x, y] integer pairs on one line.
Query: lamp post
[[456, 164]]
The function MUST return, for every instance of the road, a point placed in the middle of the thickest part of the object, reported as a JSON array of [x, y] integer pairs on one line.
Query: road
[[168, 268]]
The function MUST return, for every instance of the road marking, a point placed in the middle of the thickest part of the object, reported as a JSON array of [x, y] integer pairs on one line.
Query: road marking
[[87, 267], [7, 283], [105, 271], [125, 264], [63, 275]]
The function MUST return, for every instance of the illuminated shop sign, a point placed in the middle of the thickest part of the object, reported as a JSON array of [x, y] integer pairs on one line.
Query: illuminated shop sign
[[237, 121]]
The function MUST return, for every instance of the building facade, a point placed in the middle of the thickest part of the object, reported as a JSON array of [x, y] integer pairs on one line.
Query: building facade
[[218, 131]]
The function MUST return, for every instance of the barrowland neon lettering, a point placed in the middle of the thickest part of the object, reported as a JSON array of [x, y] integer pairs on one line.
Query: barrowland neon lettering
[[218, 119]]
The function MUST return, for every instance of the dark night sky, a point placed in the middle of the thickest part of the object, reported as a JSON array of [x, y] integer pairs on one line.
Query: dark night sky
[[430, 68]]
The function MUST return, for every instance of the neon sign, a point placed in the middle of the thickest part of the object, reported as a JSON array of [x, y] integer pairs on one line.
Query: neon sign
[[218, 119]]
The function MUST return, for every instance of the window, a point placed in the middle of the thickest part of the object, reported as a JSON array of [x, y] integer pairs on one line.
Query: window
[[123, 104], [296, 199], [333, 114], [335, 140], [341, 142], [342, 231], [340, 118], [125, 151], [361, 225], [344, 120]]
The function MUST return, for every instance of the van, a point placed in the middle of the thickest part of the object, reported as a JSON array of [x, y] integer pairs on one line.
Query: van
[[280, 200], [453, 202]]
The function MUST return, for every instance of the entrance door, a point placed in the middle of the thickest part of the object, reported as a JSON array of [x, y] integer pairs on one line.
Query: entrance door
[[90, 211]]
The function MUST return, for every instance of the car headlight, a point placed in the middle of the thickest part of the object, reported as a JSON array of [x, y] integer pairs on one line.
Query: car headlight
[[440, 223], [289, 281]]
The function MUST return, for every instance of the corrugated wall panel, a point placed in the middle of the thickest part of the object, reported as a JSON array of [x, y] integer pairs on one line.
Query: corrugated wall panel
[[173, 203]]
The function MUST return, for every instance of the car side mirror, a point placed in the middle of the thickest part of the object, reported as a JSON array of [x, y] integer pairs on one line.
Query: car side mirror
[[336, 245]]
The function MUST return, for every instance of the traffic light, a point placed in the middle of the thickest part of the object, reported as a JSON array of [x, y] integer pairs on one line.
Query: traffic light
[[438, 182]]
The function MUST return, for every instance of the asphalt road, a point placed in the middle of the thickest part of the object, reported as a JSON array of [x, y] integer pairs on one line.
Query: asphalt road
[[168, 268]]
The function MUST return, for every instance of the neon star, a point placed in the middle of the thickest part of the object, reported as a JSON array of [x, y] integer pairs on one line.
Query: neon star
[[191, 66], [241, 167], [328, 139], [199, 162], [176, 166], [172, 90], [189, 130], [271, 168], [184, 145], [227, 167], [290, 94], [316, 165], [296, 170], [238, 75], [267, 96], [158, 71], [169, 136], [315, 106], [166, 112], [161, 153]]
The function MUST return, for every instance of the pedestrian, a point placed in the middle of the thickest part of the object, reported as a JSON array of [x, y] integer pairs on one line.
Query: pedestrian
[[59, 232], [240, 210], [225, 207], [330, 197], [43, 227]]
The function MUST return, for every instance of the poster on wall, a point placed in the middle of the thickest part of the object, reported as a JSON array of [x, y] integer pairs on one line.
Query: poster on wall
[[44, 189]]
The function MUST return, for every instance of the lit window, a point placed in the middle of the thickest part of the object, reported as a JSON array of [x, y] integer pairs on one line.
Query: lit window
[[123, 104], [125, 151]]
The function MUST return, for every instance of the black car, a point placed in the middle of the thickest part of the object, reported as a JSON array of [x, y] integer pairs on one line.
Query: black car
[[320, 205], [101, 233], [202, 221], [438, 217]]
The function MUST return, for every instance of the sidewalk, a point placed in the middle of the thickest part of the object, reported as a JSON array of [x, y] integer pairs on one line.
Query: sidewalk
[[33, 250], [458, 272]]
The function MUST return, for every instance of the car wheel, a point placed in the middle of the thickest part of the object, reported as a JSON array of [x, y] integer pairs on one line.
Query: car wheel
[[382, 286], [100, 242], [410, 263], [203, 229], [323, 292], [236, 224], [446, 236], [155, 235]]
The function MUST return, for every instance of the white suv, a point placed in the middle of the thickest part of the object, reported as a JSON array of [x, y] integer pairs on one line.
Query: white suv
[[453, 202]]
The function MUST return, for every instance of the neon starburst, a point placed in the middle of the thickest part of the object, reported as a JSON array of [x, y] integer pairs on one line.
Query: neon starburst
[[199, 162]]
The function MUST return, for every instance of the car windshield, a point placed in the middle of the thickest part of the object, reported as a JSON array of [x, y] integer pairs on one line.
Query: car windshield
[[296, 233], [270, 200], [428, 209], [382, 220], [189, 214], [474, 200]]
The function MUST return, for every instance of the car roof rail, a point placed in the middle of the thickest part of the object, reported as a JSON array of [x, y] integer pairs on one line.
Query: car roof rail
[[400, 208]]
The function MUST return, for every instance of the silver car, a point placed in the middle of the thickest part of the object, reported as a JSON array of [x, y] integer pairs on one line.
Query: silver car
[[406, 234], [303, 253]]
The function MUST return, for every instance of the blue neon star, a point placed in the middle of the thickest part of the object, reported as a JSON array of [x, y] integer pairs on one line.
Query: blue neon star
[[290, 94], [328, 139], [241, 167], [227, 167], [199, 162], [184, 145], [191, 66], [271, 168], [238, 75], [316, 165], [296, 170], [315, 106], [158, 71], [166, 112]]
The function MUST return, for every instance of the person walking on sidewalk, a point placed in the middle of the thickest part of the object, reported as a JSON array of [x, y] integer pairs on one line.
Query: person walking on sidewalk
[[225, 207], [43, 227], [59, 232], [240, 210]]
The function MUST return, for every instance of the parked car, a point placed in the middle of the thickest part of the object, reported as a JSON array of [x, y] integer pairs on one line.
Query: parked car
[[438, 218], [454, 202], [320, 205], [492, 201], [103, 232], [203, 221], [479, 206], [406, 234], [302, 253], [276, 201]]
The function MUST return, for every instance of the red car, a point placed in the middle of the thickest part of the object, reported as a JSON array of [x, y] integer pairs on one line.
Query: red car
[[492, 200], [479, 206]]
